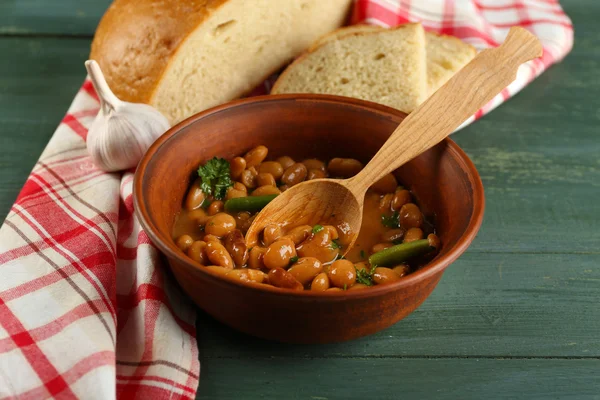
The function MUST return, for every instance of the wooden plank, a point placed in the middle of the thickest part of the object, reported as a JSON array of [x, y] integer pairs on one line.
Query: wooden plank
[[397, 378], [494, 305], [538, 158], [65, 17], [80, 17], [38, 80]]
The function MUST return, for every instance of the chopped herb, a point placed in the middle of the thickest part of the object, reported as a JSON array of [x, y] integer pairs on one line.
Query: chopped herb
[[250, 249], [248, 203], [400, 253], [211, 224], [216, 177], [362, 254], [391, 221], [317, 228], [365, 277], [345, 286], [335, 244], [294, 260]]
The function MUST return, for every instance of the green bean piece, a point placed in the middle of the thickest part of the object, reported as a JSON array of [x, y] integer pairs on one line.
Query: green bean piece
[[400, 253], [250, 203]]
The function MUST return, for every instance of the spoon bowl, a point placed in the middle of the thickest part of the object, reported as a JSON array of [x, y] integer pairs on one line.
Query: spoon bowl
[[310, 204], [340, 202]]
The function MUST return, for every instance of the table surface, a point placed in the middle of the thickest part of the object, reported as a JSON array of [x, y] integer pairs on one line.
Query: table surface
[[517, 315]]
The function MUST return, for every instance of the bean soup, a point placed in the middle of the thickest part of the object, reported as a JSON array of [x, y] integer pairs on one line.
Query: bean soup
[[395, 238]]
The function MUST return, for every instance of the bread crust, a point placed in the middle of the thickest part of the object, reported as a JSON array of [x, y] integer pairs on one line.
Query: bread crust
[[136, 39], [345, 30], [375, 28]]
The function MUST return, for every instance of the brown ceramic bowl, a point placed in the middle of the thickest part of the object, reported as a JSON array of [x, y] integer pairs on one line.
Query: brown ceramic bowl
[[444, 180]]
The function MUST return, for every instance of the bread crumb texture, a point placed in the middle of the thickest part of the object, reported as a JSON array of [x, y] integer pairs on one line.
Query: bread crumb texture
[[389, 67], [386, 66]]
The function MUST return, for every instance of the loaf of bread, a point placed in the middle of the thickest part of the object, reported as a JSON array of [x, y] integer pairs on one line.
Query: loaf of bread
[[387, 66], [184, 56], [445, 55]]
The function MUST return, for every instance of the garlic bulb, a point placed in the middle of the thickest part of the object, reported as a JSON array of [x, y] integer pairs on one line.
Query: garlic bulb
[[122, 131]]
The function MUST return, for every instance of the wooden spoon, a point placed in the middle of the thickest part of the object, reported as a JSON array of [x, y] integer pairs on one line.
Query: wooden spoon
[[340, 202]]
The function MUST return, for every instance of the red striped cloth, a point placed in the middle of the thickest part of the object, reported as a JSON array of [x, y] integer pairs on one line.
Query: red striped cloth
[[87, 309]]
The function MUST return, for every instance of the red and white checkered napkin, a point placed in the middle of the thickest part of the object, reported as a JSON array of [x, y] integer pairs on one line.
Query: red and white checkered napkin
[[86, 307], [86, 310]]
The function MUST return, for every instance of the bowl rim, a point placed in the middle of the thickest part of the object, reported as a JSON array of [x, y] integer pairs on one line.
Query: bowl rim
[[437, 265]]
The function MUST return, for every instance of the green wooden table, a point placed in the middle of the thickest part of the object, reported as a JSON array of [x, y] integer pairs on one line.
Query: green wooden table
[[517, 316]]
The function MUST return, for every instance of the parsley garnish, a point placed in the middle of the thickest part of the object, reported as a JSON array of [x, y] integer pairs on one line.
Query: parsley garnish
[[294, 260], [392, 221], [317, 228], [362, 254], [216, 177], [365, 277], [335, 244], [345, 286]]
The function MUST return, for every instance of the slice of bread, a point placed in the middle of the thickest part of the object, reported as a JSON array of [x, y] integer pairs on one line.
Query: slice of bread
[[445, 54], [384, 66], [184, 56]]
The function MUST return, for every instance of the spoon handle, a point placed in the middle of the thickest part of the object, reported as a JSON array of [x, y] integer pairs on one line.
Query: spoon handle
[[468, 90]]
